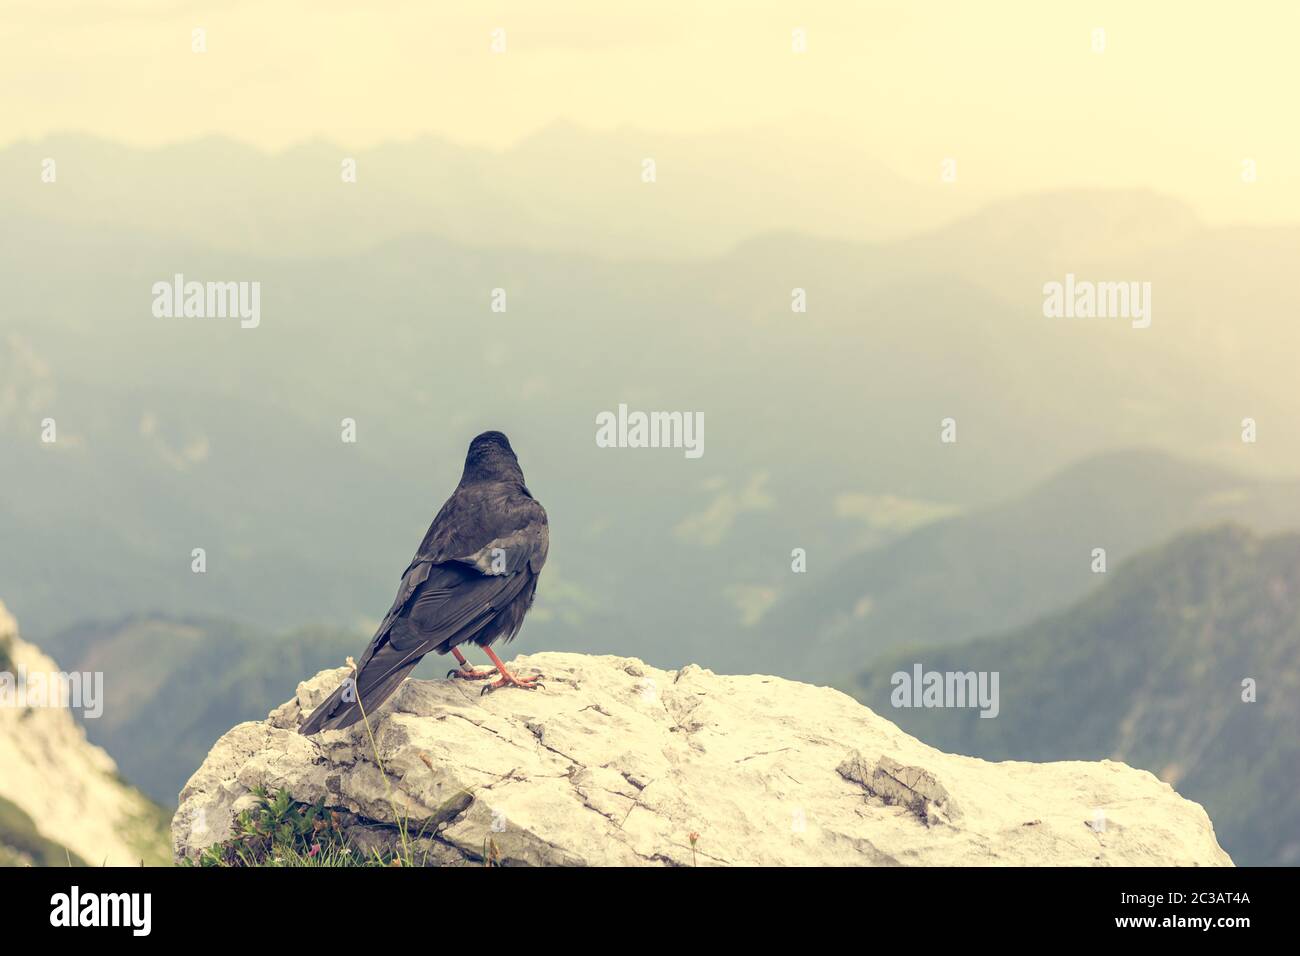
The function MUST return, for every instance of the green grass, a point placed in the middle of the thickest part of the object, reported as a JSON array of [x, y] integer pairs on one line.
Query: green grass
[[282, 832], [279, 829]]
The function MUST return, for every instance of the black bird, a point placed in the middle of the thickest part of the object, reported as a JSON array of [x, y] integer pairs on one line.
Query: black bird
[[473, 579]]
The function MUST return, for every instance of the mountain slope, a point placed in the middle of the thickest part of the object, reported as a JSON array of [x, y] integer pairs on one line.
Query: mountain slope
[[996, 568], [1149, 669], [172, 686], [62, 799], [178, 433]]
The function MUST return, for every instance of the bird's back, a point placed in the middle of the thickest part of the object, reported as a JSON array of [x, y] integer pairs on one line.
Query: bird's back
[[472, 579]]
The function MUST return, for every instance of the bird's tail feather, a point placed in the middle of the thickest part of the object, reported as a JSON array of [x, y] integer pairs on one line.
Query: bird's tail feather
[[345, 706]]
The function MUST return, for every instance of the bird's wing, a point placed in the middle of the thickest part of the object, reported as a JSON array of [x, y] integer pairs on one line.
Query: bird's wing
[[483, 552], [453, 606], [481, 526], [442, 603]]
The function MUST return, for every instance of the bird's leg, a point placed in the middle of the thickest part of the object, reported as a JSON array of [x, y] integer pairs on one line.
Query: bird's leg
[[465, 671], [507, 679]]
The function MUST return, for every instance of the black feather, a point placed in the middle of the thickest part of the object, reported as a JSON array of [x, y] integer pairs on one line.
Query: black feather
[[472, 579]]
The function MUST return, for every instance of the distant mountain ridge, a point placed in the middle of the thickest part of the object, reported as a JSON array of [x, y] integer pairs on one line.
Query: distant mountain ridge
[[564, 188], [172, 423], [178, 434], [990, 569]]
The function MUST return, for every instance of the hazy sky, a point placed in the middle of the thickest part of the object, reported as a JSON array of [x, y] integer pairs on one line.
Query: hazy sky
[[1181, 95]]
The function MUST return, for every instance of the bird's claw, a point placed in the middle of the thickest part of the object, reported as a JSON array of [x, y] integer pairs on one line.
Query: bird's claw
[[509, 680], [468, 673]]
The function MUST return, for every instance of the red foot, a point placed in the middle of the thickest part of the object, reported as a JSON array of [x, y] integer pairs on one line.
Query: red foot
[[465, 672], [507, 679], [469, 673]]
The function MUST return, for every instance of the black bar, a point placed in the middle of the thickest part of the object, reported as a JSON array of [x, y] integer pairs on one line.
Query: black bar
[[479, 904]]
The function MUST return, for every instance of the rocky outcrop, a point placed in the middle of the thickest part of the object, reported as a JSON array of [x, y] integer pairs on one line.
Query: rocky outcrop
[[617, 763], [61, 798]]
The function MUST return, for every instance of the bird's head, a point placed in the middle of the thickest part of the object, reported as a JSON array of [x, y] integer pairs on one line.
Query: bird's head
[[490, 458]]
